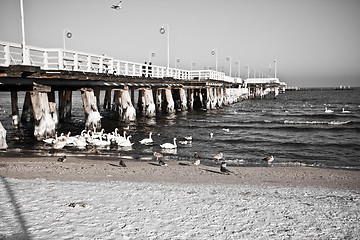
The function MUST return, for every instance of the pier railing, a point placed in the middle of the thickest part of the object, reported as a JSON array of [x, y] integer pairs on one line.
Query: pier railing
[[69, 60]]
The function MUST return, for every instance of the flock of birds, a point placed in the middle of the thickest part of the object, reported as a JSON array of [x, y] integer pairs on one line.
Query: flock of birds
[[331, 111], [100, 138]]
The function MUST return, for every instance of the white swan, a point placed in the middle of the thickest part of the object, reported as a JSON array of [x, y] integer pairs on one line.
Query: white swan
[[147, 141], [345, 111], [126, 142], [328, 110], [169, 145]]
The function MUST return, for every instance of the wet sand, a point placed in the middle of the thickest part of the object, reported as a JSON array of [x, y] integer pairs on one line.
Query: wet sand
[[41, 198], [85, 169]]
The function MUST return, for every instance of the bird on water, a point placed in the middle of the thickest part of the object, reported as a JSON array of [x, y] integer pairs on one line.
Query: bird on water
[[169, 145]]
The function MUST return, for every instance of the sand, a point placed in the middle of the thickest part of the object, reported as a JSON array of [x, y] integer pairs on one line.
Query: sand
[[92, 199]]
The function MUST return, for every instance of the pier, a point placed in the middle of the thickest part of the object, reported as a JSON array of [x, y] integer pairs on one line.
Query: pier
[[40, 72]]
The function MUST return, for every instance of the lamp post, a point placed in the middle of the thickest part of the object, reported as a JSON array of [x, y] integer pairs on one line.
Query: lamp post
[[167, 31], [229, 60], [177, 60], [151, 55], [275, 61], [254, 73], [214, 52], [192, 65], [25, 58], [238, 63], [248, 71], [66, 34]]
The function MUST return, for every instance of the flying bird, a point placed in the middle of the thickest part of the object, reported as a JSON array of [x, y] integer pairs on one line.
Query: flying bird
[[117, 6]]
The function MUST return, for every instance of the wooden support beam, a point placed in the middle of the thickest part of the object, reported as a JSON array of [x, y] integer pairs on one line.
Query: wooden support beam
[[15, 110], [52, 107], [107, 99], [93, 118], [150, 110], [44, 124], [128, 110], [170, 105], [141, 101], [26, 107]]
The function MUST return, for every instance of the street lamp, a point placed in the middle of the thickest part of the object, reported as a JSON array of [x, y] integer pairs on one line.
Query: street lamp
[[66, 34], [238, 63], [214, 52], [177, 60], [192, 65], [229, 60], [25, 58], [151, 55], [163, 31], [248, 71], [275, 61]]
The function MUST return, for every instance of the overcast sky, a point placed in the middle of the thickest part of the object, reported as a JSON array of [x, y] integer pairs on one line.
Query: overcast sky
[[315, 42]]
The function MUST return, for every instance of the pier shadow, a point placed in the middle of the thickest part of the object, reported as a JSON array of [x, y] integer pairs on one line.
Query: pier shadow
[[23, 234], [154, 164]]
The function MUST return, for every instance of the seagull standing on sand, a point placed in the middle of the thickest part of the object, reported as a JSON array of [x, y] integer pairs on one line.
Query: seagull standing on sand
[[223, 168], [269, 160], [218, 156], [122, 163], [157, 155], [62, 159]]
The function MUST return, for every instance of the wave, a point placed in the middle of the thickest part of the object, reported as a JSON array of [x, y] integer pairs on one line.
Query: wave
[[317, 122]]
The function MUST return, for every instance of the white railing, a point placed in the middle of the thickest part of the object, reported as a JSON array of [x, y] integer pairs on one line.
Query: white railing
[[68, 60]]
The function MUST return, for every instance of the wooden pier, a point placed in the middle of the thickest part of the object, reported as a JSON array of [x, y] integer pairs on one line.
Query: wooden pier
[[158, 89]]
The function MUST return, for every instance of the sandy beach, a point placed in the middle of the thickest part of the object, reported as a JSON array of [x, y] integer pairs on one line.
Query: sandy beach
[[84, 198]]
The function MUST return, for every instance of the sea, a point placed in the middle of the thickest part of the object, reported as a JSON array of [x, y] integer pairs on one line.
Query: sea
[[294, 128]]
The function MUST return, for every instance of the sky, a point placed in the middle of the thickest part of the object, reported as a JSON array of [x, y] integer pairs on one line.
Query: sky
[[316, 43]]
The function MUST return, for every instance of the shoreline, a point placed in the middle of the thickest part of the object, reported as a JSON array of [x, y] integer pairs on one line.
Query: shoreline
[[92, 170]]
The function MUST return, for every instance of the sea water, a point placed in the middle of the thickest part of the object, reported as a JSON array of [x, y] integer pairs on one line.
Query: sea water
[[294, 128]]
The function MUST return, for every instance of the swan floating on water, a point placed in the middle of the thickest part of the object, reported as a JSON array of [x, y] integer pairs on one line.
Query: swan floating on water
[[328, 110], [147, 141], [169, 145], [345, 111]]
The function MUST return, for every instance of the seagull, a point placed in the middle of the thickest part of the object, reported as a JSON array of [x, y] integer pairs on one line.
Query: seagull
[[197, 162], [147, 141], [328, 110], [226, 130], [218, 156], [169, 145], [117, 6], [223, 168], [122, 163], [269, 159], [158, 155], [62, 159], [162, 163], [196, 155], [345, 111]]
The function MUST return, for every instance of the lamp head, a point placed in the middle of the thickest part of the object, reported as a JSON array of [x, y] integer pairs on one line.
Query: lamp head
[[162, 30]]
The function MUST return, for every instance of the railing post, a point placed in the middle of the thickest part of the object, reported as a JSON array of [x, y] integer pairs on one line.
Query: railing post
[[7, 55], [118, 68], [76, 62], [126, 69], [101, 64], [46, 60], [60, 60], [88, 59]]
